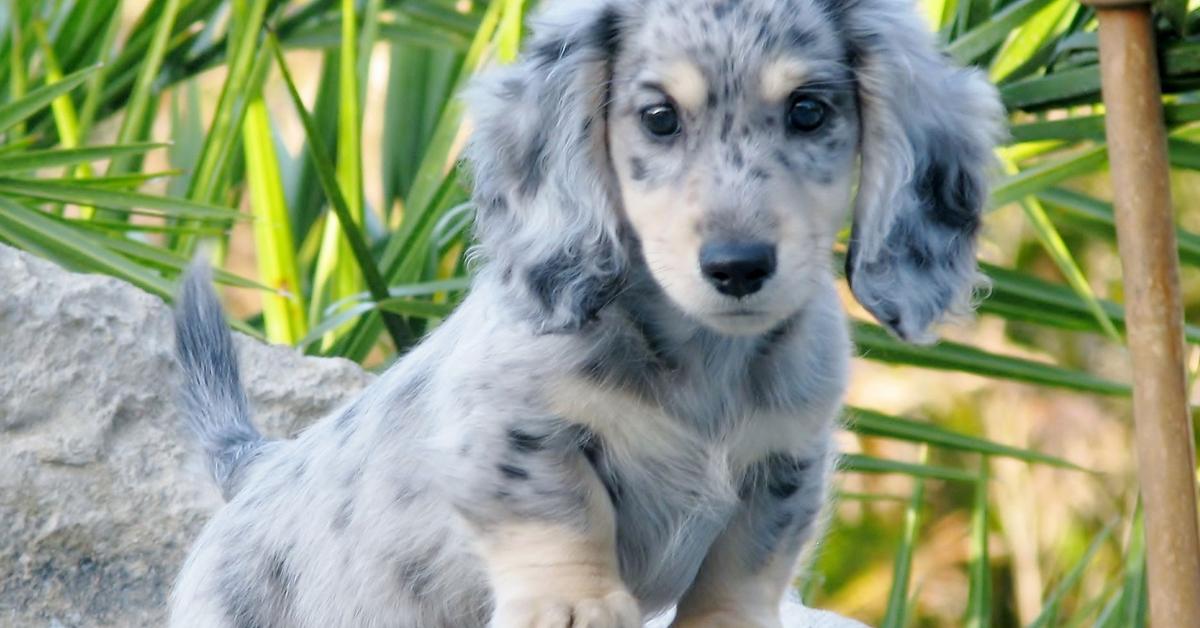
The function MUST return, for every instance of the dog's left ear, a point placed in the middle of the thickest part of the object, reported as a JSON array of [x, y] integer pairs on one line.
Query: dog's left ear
[[546, 217], [928, 129]]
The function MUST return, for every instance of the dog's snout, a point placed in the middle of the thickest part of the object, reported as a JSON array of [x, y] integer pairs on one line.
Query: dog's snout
[[737, 268]]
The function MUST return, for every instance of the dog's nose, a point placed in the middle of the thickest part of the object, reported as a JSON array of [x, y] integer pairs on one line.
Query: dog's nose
[[737, 268]]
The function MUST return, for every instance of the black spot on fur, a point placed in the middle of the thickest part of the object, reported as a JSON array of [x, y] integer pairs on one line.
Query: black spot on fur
[[777, 491], [772, 338], [239, 611], [783, 488], [495, 205], [410, 389], [783, 521], [555, 278], [823, 176], [606, 32], [637, 169], [551, 51], [513, 472], [593, 450], [759, 173], [917, 249], [346, 418], [726, 126], [406, 494], [851, 255], [953, 197], [342, 517], [888, 313], [524, 442], [631, 361], [351, 478], [281, 578], [534, 164], [299, 470], [416, 574], [258, 596], [512, 89], [799, 37], [761, 38], [784, 160], [785, 475], [545, 279]]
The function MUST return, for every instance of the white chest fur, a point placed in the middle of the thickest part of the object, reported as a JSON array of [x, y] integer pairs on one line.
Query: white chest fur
[[634, 428], [675, 486]]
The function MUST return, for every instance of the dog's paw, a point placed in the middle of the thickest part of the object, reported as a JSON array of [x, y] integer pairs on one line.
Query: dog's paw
[[730, 619], [615, 610]]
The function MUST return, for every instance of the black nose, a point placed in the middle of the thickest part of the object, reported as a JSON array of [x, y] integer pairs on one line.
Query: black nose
[[737, 268]]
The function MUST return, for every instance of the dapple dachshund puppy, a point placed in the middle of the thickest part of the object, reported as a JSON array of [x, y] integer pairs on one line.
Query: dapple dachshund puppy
[[633, 408]]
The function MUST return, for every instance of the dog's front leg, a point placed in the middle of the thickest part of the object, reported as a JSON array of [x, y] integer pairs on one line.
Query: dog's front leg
[[747, 571], [545, 528]]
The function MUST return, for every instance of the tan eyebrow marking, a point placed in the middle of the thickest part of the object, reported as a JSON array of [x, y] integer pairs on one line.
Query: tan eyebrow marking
[[780, 77], [684, 82]]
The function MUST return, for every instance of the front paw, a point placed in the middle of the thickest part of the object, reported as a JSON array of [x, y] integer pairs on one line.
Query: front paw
[[730, 619], [615, 610]]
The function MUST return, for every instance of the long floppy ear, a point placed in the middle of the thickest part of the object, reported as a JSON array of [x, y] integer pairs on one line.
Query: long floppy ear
[[928, 129], [544, 188]]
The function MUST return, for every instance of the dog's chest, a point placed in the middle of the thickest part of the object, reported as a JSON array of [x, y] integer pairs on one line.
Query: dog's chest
[[668, 515], [673, 487]]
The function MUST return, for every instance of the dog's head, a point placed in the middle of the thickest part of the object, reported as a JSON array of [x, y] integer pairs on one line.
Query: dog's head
[[716, 141]]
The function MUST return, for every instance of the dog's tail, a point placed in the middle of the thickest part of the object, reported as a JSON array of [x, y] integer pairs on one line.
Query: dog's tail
[[213, 401]]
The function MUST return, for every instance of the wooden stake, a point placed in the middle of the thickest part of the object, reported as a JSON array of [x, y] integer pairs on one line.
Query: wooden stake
[[1137, 151]]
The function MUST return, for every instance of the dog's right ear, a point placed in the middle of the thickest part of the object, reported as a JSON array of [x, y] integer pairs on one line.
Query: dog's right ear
[[544, 188]]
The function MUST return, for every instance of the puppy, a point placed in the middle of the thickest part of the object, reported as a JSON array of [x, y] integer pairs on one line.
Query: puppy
[[633, 408]]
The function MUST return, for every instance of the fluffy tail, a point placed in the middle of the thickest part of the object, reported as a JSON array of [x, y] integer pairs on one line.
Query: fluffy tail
[[213, 401]]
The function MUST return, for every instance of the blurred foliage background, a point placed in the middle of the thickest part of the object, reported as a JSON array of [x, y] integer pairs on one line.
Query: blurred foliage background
[[312, 145]]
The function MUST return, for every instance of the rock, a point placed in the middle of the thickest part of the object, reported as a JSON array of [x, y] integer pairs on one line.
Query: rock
[[794, 615], [100, 496]]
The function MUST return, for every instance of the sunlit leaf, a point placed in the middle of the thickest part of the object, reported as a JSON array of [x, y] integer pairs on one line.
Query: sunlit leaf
[[871, 423], [1052, 604], [875, 344], [24, 161], [113, 199], [896, 615], [18, 110]]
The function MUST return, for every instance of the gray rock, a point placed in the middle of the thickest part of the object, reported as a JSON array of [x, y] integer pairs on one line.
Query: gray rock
[[99, 496], [793, 614]]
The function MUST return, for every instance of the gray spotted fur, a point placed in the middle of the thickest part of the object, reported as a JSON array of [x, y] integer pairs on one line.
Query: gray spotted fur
[[367, 518], [213, 402]]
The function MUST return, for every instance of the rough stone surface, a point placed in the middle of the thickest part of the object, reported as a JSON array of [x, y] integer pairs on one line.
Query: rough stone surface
[[794, 615], [99, 496]]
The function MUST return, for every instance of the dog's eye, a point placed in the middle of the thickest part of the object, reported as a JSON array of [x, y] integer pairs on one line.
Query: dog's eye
[[805, 114], [660, 120]]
